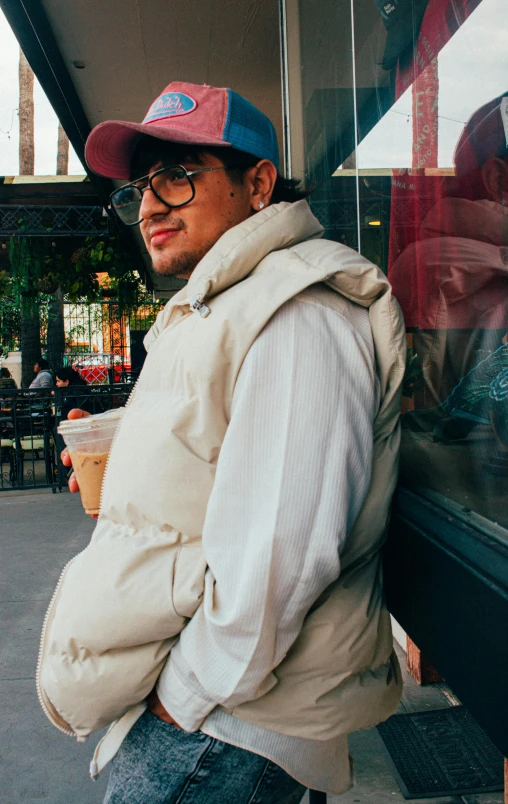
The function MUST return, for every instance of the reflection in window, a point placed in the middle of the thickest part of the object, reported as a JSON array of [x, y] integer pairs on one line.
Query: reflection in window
[[452, 283], [447, 261], [404, 134]]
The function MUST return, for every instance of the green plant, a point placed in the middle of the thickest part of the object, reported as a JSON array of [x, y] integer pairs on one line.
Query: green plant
[[123, 281], [41, 265], [9, 315]]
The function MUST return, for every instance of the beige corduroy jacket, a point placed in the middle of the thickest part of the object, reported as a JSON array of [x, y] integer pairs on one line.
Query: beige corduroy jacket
[[121, 603]]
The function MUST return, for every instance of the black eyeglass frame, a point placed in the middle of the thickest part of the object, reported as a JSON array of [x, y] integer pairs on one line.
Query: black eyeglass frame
[[149, 179]]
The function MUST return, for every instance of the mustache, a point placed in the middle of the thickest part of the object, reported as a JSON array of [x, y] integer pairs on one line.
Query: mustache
[[169, 220]]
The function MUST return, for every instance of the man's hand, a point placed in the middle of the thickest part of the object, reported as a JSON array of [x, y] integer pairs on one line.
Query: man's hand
[[157, 709], [75, 413]]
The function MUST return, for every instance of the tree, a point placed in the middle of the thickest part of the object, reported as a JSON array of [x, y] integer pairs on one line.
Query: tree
[[30, 322], [62, 157], [30, 341], [26, 117], [55, 339], [56, 328]]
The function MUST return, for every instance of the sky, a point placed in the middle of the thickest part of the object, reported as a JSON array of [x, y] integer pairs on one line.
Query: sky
[[473, 69], [46, 121]]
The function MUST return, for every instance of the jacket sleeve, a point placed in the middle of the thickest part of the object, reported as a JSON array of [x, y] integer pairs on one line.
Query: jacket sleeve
[[292, 474]]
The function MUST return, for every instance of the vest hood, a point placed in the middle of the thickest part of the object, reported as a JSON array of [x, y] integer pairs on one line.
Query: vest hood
[[241, 249]]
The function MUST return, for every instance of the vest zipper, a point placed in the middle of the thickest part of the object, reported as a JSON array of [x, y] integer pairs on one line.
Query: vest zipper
[[198, 306]]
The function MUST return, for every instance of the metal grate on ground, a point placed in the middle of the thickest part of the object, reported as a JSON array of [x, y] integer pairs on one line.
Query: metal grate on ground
[[441, 753]]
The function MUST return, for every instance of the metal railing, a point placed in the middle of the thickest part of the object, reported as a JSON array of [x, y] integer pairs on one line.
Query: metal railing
[[29, 443], [56, 221], [100, 368]]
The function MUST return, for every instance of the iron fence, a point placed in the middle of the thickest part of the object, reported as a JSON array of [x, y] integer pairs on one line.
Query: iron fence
[[100, 367], [57, 221], [30, 446], [103, 339]]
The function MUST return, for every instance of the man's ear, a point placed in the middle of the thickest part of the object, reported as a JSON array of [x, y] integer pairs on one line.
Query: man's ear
[[495, 179], [263, 177]]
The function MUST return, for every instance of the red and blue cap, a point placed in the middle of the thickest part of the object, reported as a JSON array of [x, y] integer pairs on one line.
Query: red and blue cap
[[184, 113]]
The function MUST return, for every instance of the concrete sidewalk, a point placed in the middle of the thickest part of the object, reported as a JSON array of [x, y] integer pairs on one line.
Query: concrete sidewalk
[[39, 532]]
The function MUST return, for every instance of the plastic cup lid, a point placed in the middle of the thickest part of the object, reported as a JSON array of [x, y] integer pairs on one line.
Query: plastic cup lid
[[94, 422]]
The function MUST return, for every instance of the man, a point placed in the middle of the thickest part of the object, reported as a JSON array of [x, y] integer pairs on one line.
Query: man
[[43, 377], [263, 433], [452, 281]]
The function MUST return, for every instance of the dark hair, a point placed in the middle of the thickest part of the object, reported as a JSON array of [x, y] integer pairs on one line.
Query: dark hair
[[150, 151], [4, 372], [471, 185], [42, 363], [67, 373]]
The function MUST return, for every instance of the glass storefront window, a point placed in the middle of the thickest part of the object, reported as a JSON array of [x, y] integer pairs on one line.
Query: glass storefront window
[[398, 116]]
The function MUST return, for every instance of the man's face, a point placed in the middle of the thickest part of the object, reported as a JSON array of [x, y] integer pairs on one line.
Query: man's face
[[36, 368], [177, 239]]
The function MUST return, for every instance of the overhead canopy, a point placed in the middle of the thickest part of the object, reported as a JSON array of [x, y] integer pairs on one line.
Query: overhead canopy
[[108, 59]]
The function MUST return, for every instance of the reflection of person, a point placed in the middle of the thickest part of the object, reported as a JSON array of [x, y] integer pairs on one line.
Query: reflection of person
[[6, 381], [43, 378], [452, 283], [252, 471], [65, 377]]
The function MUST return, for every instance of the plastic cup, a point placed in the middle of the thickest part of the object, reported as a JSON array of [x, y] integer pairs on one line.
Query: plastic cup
[[89, 441]]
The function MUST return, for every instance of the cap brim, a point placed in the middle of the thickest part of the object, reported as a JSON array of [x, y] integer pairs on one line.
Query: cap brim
[[110, 145]]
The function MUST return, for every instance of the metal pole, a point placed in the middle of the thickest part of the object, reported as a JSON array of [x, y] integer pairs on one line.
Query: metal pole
[[355, 121]]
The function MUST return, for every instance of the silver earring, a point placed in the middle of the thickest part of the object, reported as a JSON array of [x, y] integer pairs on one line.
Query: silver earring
[[260, 205]]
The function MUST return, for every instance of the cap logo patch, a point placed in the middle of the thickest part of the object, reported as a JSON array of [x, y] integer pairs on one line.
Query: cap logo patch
[[171, 104]]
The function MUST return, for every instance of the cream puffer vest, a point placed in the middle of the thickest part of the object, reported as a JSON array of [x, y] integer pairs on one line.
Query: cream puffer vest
[[121, 603]]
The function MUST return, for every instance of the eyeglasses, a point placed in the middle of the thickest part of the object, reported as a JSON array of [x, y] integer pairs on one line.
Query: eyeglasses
[[172, 185]]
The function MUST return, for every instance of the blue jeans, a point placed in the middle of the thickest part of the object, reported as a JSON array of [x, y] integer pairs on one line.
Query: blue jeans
[[160, 764]]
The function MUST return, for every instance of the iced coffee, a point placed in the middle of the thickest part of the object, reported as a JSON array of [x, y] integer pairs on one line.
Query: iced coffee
[[89, 469], [89, 440]]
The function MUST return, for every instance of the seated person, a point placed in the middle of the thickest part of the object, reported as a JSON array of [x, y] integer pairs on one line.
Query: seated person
[[452, 282], [43, 378], [6, 381], [64, 378]]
